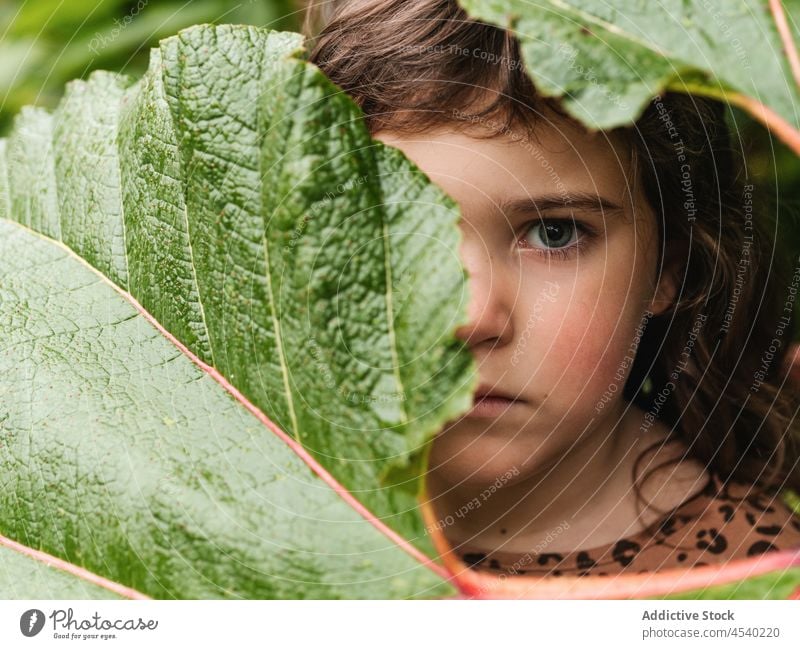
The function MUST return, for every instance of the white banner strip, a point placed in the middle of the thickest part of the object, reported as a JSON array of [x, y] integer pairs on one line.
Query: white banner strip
[[402, 625]]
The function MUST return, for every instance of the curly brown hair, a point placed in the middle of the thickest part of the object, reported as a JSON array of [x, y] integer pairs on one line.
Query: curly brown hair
[[712, 367]]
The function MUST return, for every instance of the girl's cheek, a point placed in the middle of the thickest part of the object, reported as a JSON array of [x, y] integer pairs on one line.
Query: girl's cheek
[[584, 346]]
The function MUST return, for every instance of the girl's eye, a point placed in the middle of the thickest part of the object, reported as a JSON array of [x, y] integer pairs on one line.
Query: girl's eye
[[551, 237], [551, 234]]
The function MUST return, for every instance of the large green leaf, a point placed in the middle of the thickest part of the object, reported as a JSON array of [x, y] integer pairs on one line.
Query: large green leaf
[[607, 60], [312, 275], [26, 577]]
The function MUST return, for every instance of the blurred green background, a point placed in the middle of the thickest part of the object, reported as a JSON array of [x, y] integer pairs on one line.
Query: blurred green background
[[45, 43]]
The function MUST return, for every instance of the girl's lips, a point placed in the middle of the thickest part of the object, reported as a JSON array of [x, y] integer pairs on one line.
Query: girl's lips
[[491, 406]]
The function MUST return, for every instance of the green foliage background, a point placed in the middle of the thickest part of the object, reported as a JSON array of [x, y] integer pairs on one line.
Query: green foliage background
[[45, 43]]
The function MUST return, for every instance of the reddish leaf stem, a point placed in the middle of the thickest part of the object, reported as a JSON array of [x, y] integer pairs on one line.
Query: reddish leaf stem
[[71, 568], [786, 36]]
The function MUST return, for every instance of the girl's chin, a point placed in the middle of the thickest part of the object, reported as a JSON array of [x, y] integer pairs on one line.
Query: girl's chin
[[479, 464]]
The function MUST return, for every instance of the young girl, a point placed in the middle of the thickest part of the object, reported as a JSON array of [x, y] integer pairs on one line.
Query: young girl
[[627, 313]]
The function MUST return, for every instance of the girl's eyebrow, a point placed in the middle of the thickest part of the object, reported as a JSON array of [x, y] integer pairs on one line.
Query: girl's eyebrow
[[584, 201]]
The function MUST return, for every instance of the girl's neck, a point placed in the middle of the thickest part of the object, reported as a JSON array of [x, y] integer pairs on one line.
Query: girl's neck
[[586, 500]]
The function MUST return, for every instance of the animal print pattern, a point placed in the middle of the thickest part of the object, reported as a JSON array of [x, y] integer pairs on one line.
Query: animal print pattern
[[716, 525]]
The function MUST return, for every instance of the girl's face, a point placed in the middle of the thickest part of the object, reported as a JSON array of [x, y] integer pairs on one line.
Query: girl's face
[[561, 258]]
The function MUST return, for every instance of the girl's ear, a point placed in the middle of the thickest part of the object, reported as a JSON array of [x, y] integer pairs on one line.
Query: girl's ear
[[668, 282]]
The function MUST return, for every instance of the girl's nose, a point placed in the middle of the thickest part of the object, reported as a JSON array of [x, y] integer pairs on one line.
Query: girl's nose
[[489, 311]]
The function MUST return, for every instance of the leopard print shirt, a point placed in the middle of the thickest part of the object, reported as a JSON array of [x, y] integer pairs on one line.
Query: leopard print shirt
[[716, 525]]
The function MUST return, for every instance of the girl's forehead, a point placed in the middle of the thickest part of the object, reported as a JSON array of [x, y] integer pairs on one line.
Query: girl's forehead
[[556, 154], [486, 175]]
